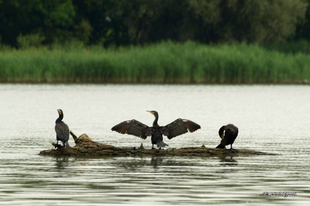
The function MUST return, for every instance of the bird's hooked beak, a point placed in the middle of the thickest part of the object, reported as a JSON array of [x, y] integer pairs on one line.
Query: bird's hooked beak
[[150, 112], [59, 111]]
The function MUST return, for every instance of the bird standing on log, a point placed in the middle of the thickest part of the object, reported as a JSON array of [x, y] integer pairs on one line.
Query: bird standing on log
[[175, 128], [228, 134], [62, 130]]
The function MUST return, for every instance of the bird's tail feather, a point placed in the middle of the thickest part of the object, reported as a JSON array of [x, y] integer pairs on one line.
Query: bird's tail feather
[[161, 144], [220, 146]]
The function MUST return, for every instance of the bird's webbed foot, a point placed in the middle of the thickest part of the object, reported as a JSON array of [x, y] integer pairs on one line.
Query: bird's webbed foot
[[232, 149], [56, 145]]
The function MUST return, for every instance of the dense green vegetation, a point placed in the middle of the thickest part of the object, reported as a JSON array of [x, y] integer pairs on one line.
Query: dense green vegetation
[[136, 22], [238, 41], [165, 62]]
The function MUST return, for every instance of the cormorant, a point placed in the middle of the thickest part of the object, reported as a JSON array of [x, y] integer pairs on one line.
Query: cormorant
[[228, 134], [62, 130], [175, 128]]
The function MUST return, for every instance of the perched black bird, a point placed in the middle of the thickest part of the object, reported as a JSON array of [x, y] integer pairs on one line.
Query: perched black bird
[[62, 130], [228, 134], [175, 128]]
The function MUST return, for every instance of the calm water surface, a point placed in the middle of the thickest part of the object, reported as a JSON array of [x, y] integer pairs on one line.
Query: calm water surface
[[270, 119]]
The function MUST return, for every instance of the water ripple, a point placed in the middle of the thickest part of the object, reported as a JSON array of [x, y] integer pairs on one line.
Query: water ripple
[[270, 119]]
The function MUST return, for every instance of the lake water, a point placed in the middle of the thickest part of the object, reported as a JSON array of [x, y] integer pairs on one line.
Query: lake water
[[270, 119]]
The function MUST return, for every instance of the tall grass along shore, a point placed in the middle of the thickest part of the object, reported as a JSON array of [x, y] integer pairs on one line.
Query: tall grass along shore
[[165, 62]]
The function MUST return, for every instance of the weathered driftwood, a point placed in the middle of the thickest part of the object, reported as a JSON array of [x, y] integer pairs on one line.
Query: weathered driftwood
[[86, 147]]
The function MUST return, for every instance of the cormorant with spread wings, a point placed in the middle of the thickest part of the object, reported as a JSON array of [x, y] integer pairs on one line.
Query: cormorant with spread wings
[[175, 128]]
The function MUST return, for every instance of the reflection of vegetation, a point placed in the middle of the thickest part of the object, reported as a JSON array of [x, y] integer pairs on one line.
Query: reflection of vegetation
[[161, 63]]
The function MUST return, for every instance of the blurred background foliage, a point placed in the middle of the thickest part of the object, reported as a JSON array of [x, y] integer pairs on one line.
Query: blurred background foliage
[[111, 23], [155, 41]]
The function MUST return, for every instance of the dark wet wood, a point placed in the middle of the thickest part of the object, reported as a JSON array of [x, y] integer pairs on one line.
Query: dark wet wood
[[86, 147]]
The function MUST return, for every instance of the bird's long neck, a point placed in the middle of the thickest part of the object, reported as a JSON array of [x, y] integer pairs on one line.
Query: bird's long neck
[[61, 116], [155, 123]]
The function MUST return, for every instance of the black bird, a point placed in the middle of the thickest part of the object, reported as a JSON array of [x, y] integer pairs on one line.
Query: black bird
[[175, 128], [62, 130], [228, 134]]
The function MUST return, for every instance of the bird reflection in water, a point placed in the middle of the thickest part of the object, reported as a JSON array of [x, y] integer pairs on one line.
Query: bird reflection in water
[[135, 164], [156, 161], [61, 163], [227, 160]]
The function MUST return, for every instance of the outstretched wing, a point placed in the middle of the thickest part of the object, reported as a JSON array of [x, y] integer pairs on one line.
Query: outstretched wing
[[178, 127], [133, 127]]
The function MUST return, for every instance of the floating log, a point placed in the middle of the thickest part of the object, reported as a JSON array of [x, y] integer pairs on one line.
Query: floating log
[[86, 147]]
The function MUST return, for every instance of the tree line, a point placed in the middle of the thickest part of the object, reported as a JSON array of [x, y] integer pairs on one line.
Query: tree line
[[137, 22]]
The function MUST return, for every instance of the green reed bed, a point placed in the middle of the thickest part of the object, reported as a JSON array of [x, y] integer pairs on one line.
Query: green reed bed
[[166, 62]]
